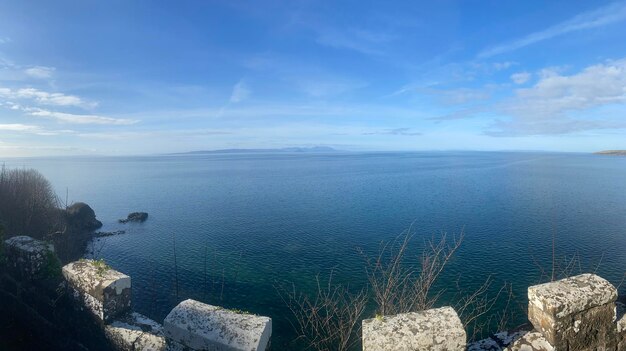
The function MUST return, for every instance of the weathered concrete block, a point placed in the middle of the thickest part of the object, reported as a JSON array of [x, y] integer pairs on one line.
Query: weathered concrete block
[[575, 313], [103, 291], [204, 327], [532, 341], [27, 257], [435, 329], [135, 332]]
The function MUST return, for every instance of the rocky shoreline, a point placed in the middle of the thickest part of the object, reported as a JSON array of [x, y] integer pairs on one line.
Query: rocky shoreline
[[611, 152]]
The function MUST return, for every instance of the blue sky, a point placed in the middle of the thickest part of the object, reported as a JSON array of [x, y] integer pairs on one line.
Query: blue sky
[[141, 77]]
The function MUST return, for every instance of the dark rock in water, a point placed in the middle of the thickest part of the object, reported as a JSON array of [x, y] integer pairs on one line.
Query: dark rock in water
[[135, 217], [82, 217], [103, 234]]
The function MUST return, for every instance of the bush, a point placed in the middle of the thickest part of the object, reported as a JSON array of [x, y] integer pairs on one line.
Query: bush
[[330, 319], [52, 266], [28, 204]]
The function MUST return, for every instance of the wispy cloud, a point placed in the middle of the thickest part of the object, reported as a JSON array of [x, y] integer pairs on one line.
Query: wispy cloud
[[32, 129], [500, 66], [240, 92], [310, 79], [459, 114], [40, 72], [323, 87], [360, 40], [17, 127], [154, 134], [45, 98], [79, 119], [520, 77], [463, 96], [603, 16], [395, 131]]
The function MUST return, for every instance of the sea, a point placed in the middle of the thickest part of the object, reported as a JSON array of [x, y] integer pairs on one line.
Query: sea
[[239, 230]]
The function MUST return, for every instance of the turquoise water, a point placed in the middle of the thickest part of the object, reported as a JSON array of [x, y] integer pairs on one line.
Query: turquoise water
[[249, 222]]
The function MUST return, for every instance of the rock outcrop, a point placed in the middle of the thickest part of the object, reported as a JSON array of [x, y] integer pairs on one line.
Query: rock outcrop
[[82, 217], [135, 217]]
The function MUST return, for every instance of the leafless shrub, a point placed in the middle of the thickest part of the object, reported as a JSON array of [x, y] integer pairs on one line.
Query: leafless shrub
[[563, 266], [329, 320], [28, 204], [400, 286], [474, 308], [400, 283]]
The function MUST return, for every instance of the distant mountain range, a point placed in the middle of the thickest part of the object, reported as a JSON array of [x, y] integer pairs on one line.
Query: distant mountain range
[[316, 149], [612, 152]]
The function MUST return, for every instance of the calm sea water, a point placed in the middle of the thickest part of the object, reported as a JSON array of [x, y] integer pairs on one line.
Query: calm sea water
[[244, 223]]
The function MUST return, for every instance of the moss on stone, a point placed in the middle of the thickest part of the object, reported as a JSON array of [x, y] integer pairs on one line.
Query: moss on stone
[[52, 266]]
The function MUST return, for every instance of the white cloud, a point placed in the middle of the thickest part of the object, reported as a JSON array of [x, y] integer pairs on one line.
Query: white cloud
[[17, 127], [458, 96], [4, 40], [395, 131], [463, 95], [559, 104], [520, 77], [240, 92], [32, 129], [40, 72], [45, 98], [603, 16], [499, 66], [79, 119]]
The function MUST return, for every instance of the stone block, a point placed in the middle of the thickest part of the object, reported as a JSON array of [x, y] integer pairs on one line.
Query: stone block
[[103, 291], [204, 327], [434, 329], [575, 313], [532, 341], [26, 257], [135, 332]]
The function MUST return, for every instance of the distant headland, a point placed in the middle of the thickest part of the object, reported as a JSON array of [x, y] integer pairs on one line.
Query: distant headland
[[315, 149], [612, 152]]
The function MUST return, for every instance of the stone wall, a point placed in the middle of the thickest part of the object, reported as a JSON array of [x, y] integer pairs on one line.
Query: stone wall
[[192, 325], [572, 314], [577, 313], [105, 295]]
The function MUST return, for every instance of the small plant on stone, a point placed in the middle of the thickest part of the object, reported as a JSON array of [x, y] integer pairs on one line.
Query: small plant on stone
[[101, 266], [238, 311], [52, 265]]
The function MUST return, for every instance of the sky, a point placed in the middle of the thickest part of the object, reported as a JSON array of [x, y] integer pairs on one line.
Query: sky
[[125, 77]]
